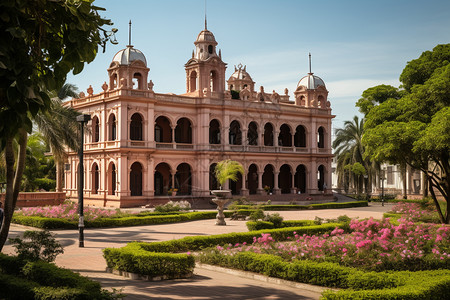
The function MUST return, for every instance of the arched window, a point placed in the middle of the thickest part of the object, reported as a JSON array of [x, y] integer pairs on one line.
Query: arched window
[[162, 179], [320, 177], [136, 179], [214, 132], [252, 134], [137, 81], [163, 130], [193, 82], [300, 178], [235, 134], [300, 136], [183, 179], [210, 49], [321, 103], [268, 134], [321, 137], [285, 137], [285, 179], [136, 127], [112, 179], [268, 178], [183, 131], [95, 130], [252, 179], [95, 179], [112, 127]]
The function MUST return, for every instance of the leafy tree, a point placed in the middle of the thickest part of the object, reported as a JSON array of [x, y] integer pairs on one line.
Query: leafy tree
[[376, 95], [359, 170], [41, 41], [414, 130]]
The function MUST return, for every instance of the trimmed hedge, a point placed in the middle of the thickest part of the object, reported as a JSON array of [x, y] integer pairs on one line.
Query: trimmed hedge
[[358, 284], [430, 285], [138, 220], [259, 225], [133, 258], [330, 205], [147, 259], [41, 280]]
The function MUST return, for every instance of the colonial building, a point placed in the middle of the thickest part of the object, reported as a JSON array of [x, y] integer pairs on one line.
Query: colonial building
[[141, 144]]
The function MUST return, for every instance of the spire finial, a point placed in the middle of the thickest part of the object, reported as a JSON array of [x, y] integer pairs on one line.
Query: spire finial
[[310, 63], [129, 34], [206, 27]]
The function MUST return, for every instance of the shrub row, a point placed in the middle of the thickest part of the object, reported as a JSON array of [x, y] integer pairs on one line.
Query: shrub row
[[40, 280], [303, 207], [319, 273], [56, 223], [133, 258], [359, 284], [259, 225], [147, 259], [433, 285]]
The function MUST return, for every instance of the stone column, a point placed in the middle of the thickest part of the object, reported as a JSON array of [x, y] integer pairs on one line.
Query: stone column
[[173, 133], [172, 177], [260, 189], [244, 189], [293, 189], [276, 188]]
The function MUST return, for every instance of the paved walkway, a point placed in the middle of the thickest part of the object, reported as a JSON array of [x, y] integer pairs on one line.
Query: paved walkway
[[205, 284]]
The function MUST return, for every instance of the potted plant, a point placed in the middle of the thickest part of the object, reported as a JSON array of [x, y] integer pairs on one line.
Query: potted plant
[[225, 170], [267, 189], [172, 192]]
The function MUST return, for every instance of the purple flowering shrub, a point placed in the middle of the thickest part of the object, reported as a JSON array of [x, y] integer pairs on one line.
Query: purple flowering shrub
[[68, 210], [371, 245]]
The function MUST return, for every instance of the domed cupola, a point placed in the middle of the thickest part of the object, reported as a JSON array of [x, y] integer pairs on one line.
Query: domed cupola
[[205, 71], [311, 91], [240, 79], [128, 69], [128, 55], [311, 82]]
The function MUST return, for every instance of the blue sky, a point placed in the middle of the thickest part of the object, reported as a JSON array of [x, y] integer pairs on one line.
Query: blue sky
[[354, 44]]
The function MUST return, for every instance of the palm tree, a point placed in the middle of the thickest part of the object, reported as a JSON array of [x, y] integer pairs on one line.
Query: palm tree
[[350, 150], [59, 128], [228, 169]]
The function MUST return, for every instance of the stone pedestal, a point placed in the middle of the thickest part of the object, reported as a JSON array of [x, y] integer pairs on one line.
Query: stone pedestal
[[222, 198]]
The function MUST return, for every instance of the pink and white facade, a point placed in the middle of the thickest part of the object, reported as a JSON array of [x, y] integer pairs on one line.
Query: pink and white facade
[[140, 143]]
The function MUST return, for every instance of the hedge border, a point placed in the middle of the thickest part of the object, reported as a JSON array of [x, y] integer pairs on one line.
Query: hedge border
[[57, 223], [135, 256], [280, 207], [358, 284]]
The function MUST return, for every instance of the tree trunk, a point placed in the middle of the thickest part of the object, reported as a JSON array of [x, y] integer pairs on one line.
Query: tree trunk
[[425, 184], [13, 181], [403, 173], [59, 175]]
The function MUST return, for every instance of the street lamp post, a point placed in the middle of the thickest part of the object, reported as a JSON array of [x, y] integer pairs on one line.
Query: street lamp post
[[82, 119], [382, 187]]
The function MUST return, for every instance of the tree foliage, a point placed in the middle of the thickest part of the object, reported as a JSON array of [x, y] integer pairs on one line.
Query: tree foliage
[[415, 129], [41, 41]]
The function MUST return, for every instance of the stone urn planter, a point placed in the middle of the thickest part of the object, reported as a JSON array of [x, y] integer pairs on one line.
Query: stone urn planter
[[221, 199]]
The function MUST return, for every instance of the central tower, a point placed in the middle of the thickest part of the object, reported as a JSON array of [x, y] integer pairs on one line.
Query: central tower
[[205, 71]]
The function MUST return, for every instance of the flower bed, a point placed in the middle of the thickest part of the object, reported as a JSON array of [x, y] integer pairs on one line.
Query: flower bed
[[372, 245]]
